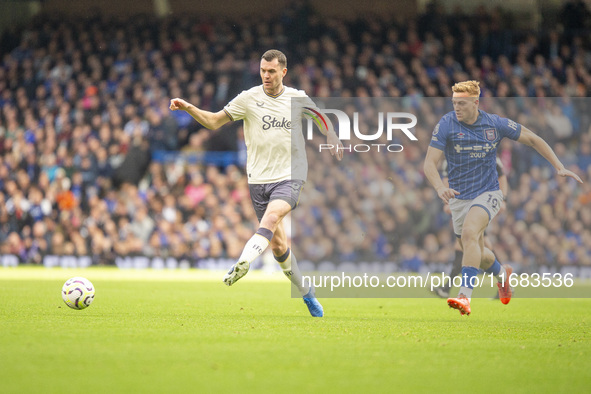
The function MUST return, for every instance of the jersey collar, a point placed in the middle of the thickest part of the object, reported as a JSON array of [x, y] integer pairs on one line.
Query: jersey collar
[[478, 119], [273, 95]]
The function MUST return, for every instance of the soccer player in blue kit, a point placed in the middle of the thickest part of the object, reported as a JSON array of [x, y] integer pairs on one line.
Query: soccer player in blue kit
[[469, 138]]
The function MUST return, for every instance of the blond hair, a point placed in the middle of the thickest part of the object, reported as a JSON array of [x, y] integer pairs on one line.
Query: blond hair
[[470, 87]]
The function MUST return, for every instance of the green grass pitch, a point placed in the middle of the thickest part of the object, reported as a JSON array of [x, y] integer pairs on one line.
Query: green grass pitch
[[184, 331]]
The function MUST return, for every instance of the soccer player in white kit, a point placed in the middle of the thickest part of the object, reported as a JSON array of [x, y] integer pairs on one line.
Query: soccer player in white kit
[[276, 162]]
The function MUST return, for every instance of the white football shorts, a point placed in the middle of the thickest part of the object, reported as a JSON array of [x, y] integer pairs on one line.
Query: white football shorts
[[489, 201]]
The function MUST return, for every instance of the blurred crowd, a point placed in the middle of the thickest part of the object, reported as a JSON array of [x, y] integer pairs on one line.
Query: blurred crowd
[[84, 108]]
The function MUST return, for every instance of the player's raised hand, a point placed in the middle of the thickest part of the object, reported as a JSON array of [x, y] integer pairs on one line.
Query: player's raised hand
[[337, 145], [565, 172], [178, 103], [446, 194]]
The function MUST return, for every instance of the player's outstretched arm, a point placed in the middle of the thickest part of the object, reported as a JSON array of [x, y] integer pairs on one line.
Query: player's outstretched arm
[[503, 183], [210, 120], [332, 139], [528, 138], [326, 127], [432, 159]]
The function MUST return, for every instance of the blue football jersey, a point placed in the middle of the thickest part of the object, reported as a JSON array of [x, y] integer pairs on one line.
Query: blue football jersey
[[471, 151]]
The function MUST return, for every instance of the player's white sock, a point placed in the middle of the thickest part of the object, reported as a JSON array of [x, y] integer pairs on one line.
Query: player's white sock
[[289, 265], [256, 245], [468, 277], [467, 292], [502, 275]]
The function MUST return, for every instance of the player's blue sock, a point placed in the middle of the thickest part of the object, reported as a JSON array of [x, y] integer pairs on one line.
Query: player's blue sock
[[494, 269], [497, 270], [468, 275]]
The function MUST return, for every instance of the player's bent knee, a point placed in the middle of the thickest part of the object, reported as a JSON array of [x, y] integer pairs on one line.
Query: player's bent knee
[[469, 236], [270, 219]]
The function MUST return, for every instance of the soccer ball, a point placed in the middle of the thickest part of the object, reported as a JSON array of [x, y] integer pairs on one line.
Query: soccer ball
[[78, 293]]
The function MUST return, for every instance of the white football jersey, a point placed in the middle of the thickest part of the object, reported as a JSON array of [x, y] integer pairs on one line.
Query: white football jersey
[[273, 153]]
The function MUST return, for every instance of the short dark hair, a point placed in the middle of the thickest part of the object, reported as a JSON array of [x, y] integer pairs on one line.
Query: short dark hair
[[275, 54]]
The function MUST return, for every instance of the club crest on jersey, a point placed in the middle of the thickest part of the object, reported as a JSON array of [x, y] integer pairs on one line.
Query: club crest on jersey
[[490, 134]]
